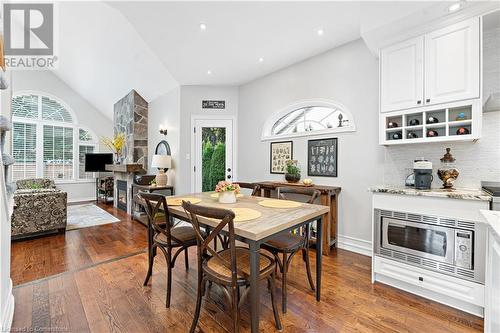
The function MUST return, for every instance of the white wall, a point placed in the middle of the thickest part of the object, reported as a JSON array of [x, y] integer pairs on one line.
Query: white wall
[[165, 110], [86, 114], [191, 98], [349, 75]]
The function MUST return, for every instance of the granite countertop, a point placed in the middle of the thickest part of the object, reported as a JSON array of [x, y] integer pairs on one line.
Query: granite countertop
[[463, 194], [492, 217]]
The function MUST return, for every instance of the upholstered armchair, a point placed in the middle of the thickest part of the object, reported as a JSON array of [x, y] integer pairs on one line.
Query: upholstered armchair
[[39, 208]]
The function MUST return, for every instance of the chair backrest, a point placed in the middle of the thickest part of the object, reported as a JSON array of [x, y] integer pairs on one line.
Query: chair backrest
[[158, 216], [254, 187], [311, 193], [204, 239]]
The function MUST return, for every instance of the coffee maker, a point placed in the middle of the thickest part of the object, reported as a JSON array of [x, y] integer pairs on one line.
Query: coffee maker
[[422, 169]]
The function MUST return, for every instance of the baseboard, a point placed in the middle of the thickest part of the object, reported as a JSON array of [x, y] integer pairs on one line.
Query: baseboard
[[357, 245], [81, 200], [8, 311]]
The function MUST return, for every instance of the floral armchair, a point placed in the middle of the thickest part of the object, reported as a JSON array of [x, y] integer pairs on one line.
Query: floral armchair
[[39, 208]]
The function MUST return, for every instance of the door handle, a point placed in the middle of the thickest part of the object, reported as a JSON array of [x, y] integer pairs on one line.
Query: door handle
[[419, 102], [427, 100]]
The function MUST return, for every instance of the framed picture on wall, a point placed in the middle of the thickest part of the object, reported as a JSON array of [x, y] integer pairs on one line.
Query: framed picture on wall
[[280, 153], [322, 157]]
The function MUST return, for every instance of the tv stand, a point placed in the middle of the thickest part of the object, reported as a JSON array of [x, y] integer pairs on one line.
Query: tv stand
[[104, 189]]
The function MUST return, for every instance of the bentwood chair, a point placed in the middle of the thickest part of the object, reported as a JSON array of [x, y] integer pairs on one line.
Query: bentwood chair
[[289, 243], [164, 235], [254, 187], [229, 268]]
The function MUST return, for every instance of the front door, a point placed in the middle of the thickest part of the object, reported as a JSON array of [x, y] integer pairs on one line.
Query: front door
[[213, 160]]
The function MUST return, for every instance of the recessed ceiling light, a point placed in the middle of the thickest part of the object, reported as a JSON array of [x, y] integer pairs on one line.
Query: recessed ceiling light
[[203, 26], [209, 72], [454, 7], [320, 32], [261, 59]]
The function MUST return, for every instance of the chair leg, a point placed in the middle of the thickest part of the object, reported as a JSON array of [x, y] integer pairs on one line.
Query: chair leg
[[234, 308], [277, 320], [150, 264], [198, 303], [305, 253], [283, 283], [168, 257], [186, 259]]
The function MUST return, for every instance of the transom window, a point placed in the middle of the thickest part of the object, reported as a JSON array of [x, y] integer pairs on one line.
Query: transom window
[[308, 118], [46, 142]]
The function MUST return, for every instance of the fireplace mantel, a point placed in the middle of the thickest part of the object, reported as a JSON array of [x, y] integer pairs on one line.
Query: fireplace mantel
[[124, 168]]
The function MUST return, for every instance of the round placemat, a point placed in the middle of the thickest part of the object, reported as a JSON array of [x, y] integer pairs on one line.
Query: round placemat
[[178, 201], [275, 203], [216, 195], [245, 214]]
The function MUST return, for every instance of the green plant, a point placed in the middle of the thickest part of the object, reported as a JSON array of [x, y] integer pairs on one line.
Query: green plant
[[292, 168], [218, 165], [208, 151]]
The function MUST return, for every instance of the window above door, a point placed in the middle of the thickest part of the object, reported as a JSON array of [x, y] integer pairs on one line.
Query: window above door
[[308, 118]]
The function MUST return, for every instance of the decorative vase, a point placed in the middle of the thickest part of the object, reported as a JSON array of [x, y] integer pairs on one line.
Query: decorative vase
[[118, 159], [447, 172], [227, 197]]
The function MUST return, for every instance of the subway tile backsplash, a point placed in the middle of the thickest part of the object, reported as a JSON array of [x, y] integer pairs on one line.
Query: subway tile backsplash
[[476, 161]]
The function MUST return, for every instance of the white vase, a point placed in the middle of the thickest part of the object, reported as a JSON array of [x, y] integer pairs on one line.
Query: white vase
[[227, 197]]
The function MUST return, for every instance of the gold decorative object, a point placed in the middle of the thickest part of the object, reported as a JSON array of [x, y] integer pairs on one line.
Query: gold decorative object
[[275, 203], [178, 201], [448, 173]]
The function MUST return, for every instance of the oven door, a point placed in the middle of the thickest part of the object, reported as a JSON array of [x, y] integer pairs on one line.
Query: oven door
[[419, 239]]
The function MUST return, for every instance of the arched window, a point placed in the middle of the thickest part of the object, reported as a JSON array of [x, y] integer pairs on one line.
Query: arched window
[[311, 117], [46, 141]]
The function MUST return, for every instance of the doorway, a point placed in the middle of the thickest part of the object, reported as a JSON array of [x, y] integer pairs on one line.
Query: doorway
[[213, 153]]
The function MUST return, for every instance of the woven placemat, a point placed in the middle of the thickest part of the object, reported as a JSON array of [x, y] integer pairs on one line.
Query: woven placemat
[[245, 214], [216, 195], [275, 203], [178, 201]]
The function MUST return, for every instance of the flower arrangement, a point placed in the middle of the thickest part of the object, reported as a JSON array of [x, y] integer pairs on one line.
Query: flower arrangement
[[224, 186], [115, 144]]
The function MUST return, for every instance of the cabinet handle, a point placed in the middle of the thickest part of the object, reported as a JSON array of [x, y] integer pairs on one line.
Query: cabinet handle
[[427, 100], [420, 278], [419, 102]]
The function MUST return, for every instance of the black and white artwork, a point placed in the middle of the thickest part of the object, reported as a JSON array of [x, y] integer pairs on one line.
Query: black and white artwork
[[280, 153], [322, 157]]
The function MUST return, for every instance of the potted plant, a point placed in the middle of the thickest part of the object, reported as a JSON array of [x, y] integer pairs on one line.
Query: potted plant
[[227, 191], [115, 144], [292, 174]]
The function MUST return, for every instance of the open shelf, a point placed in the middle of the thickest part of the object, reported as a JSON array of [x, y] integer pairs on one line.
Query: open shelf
[[452, 122]]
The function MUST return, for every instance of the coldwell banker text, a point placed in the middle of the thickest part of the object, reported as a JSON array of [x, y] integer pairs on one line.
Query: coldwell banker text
[[29, 32]]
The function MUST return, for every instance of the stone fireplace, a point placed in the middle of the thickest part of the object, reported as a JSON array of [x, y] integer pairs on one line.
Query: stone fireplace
[[121, 194]]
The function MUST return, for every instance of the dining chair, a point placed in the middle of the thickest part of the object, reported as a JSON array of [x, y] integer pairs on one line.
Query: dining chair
[[164, 235], [229, 268], [290, 242], [254, 187]]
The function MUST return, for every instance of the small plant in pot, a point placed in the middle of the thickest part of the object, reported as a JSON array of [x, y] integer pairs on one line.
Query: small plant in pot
[[292, 174], [227, 191]]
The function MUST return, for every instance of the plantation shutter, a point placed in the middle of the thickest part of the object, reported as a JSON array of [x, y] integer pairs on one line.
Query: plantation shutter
[[57, 152], [24, 150], [82, 150]]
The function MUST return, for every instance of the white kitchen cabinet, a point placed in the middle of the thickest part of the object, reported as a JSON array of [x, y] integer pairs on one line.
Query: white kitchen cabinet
[[402, 75], [452, 63], [439, 67], [492, 306]]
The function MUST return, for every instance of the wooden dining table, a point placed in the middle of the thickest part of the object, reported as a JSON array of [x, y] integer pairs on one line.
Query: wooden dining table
[[257, 231]]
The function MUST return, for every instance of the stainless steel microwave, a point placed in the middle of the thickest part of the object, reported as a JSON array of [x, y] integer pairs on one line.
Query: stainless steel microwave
[[450, 246]]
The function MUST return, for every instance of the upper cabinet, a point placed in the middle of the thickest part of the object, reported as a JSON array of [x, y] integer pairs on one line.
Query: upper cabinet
[[402, 75], [452, 63], [438, 67]]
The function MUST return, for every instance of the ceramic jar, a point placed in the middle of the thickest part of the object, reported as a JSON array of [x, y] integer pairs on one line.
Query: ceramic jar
[[448, 172], [227, 197]]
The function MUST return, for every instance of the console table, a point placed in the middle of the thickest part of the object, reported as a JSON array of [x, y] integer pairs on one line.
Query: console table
[[329, 197]]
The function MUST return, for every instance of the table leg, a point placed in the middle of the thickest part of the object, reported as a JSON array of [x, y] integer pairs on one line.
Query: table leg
[[254, 286], [325, 201], [319, 252]]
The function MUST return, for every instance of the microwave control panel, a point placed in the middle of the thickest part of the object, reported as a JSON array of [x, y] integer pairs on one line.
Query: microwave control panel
[[463, 249]]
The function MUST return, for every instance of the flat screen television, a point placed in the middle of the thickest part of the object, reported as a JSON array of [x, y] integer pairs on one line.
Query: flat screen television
[[96, 162]]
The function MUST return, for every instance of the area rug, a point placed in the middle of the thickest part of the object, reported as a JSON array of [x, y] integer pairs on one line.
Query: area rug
[[87, 215]]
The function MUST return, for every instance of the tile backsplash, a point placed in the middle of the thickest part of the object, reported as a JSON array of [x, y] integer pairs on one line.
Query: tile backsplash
[[476, 161]]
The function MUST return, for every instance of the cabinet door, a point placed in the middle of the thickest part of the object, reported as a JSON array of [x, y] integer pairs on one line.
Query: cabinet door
[[492, 306], [452, 63], [402, 75]]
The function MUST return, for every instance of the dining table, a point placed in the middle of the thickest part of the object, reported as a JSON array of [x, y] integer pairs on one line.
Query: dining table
[[256, 231]]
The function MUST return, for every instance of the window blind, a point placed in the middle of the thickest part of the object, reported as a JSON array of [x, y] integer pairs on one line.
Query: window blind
[[82, 150], [57, 152], [24, 150]]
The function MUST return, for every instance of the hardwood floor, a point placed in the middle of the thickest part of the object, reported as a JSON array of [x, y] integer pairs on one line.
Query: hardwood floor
[[98, 288]]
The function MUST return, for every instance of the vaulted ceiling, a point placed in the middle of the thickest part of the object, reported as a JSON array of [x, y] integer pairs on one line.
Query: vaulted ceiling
[[107, 49]]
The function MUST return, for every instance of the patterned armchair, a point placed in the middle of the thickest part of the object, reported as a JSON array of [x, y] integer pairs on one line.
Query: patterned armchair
[[39, 208]]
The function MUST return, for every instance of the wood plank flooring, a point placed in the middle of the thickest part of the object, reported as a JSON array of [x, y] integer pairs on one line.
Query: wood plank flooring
[[100, 290]]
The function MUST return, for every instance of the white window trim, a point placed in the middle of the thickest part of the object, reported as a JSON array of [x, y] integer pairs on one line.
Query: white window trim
[[267, 134], [40, 122]]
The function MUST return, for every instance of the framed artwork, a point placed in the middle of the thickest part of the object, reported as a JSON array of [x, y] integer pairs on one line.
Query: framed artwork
[[280, 153], [322, 157]]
